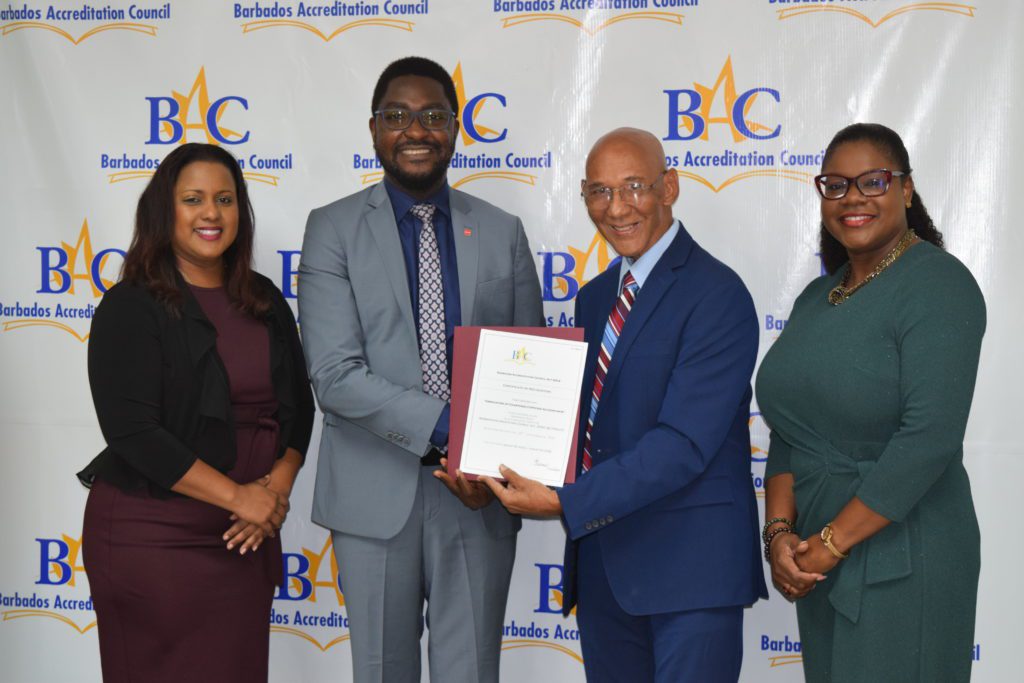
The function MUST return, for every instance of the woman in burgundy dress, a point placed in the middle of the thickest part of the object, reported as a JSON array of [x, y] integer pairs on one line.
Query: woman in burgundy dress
[[201, 392]]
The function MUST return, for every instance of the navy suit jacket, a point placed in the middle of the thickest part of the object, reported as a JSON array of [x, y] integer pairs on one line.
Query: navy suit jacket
[[669, 497]]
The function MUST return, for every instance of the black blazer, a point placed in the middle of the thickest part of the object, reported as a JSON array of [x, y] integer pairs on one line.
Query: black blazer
[[161, 391]]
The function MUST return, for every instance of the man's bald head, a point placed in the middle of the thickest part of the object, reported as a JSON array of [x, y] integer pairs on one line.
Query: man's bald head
[[645, 144], [628, 191]]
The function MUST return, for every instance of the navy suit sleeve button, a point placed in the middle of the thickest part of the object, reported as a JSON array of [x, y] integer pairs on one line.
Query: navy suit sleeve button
[[588, 526]]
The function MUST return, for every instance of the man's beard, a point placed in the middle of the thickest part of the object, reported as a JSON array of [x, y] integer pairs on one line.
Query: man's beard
[[421, 182]]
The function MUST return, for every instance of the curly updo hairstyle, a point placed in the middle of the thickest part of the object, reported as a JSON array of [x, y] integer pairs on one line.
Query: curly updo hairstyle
[[888, 142]]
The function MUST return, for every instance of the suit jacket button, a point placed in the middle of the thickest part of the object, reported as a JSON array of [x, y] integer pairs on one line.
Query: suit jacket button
[[588, 526], [610, 519]]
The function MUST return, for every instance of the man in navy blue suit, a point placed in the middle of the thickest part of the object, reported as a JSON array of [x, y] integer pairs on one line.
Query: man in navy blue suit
[[662, 548]]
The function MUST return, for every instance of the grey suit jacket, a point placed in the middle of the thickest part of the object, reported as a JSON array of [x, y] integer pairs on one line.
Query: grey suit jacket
[[359, 336]]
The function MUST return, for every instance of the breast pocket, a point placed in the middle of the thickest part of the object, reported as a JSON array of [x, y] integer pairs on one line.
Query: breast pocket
[[495, 301]]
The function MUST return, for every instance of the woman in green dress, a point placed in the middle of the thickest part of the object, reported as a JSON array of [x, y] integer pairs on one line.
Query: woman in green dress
[[871, 526]]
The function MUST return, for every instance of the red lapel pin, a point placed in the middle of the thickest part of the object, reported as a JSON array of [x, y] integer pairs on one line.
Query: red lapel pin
[[467, 232]]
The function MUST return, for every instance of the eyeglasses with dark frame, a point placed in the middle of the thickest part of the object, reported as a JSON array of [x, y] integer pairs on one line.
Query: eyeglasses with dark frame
[[398, 118], [631, 193], [873, 183]]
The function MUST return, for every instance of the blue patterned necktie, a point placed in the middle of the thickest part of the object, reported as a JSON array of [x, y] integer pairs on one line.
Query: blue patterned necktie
[[433, 350]]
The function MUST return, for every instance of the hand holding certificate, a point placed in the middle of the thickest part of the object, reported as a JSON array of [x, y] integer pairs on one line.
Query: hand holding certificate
[[515, 402]]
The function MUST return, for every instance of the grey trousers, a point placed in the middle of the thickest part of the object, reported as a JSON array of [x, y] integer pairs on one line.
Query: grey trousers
[[446, 557]]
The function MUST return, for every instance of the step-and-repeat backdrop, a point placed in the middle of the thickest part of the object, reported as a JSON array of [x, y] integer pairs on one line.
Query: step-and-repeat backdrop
[[745, 95]]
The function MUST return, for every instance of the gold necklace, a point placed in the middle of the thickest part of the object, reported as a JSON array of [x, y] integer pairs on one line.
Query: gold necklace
[[843, 291]]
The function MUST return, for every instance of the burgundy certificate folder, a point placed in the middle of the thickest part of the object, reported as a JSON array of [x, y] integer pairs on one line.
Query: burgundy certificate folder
[[467, 341]]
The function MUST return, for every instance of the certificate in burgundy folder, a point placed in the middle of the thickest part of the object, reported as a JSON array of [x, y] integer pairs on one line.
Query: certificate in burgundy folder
[[467, 341]]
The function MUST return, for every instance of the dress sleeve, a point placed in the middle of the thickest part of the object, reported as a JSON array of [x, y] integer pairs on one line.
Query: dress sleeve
[[125, 365], [778, 456], [939, 325], [302, 425]]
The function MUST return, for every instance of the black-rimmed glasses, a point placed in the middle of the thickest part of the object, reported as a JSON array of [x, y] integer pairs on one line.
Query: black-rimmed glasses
[[399, 119], [872, 183]]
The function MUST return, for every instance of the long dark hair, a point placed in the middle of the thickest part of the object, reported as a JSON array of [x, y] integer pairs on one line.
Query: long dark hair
[[150, 261], [887, 141]]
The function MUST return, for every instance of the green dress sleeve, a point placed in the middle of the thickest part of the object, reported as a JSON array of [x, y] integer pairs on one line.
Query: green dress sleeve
[[778, 456], [938, 325]]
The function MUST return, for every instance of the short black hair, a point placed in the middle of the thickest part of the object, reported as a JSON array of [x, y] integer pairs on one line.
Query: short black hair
[[415, 66]]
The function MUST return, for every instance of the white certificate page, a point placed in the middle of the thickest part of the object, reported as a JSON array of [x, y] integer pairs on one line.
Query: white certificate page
[[523, 405]]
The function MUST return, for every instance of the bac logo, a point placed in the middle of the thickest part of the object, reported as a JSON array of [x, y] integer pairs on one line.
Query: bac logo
[[948, 7], [307, 572], [59, 561], [65, 271], [59, 570], [64, 266], [564, 272], [549, 582], [562, 638], [521, 356], [172, 118], [690, 111], [306, 575], [471, 131]]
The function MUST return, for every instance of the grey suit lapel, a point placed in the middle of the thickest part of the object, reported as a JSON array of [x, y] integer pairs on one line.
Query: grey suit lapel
[[381, 220], [467, 252]]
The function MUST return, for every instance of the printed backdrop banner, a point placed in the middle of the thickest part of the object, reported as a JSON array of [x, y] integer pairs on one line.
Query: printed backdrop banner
[[745, 95]]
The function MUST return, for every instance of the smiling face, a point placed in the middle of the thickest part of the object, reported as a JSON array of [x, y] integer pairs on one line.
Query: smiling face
[[205, 221], [631, 156], [414, 159], [867, 227]]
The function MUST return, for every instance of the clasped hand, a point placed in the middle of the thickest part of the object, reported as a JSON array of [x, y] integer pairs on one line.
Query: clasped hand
[[259, 510], [799, 565]]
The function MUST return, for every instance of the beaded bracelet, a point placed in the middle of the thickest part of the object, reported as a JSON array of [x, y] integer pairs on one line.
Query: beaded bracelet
[[774, 520], [770, 537]]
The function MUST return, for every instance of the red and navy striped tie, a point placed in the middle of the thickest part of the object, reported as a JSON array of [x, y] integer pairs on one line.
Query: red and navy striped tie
[[611, 335]]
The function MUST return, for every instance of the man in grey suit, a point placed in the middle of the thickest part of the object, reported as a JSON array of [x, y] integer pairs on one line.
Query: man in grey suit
[[386, 275]]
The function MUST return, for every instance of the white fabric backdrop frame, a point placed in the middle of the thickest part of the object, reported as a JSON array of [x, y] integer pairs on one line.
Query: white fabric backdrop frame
[[96, 94]]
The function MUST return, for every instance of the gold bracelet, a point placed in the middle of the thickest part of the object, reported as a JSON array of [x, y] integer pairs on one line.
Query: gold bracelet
[[826, 538]]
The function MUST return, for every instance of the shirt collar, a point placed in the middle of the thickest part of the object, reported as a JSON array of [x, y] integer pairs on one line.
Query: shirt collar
[[402, 201], [642, 267]]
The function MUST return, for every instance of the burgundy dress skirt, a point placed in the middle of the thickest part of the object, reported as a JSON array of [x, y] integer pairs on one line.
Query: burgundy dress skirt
[[172, 603]]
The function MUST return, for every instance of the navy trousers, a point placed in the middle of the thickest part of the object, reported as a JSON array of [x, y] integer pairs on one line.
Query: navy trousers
[[698, 646]]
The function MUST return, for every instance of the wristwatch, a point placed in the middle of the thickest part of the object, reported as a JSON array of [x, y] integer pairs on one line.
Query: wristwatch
[[826, 538]]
